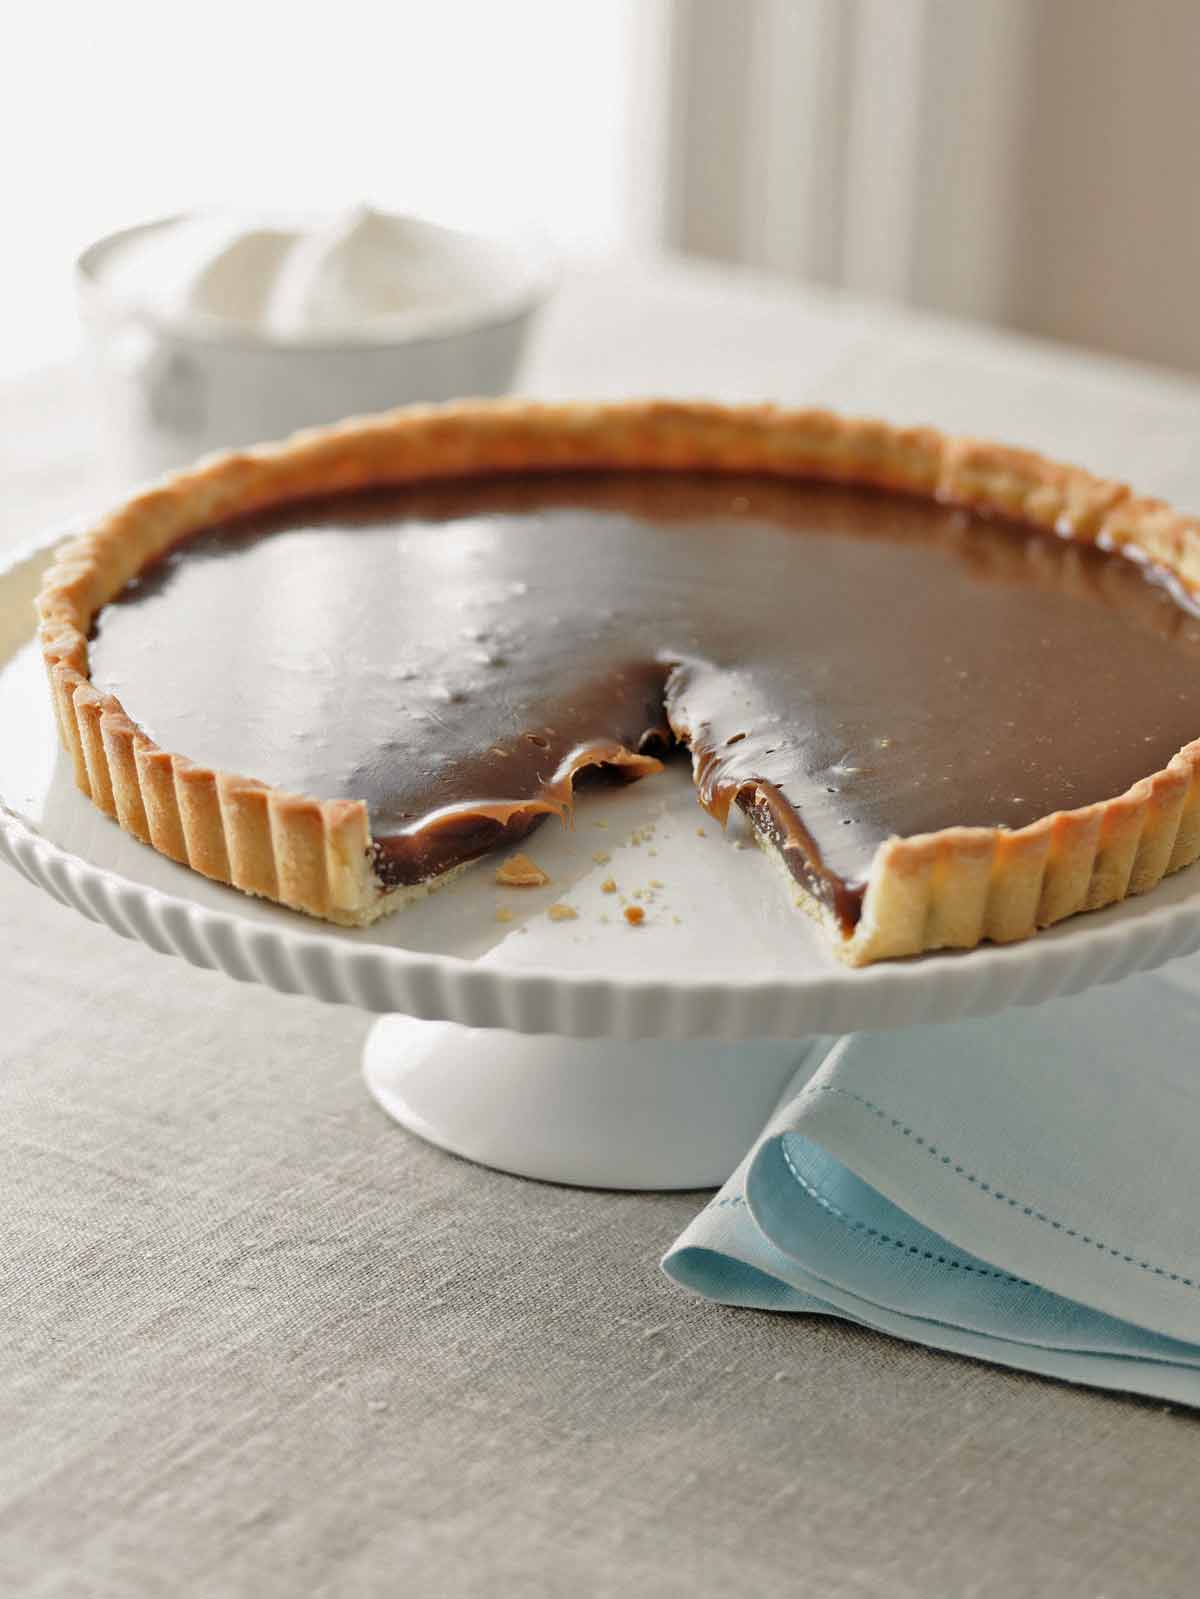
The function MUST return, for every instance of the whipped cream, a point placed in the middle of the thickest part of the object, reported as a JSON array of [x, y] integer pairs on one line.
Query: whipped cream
[[361, 275]]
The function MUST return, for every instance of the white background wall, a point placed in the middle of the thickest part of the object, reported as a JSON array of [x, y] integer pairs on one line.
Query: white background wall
[[1030, 162], [495, 113], [1106, 239]]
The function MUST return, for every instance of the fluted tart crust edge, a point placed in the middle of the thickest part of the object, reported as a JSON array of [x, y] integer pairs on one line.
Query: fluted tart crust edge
[[950, 889]]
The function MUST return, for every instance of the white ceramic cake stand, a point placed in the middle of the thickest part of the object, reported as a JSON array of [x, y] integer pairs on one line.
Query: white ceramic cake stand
[[578, 1050]]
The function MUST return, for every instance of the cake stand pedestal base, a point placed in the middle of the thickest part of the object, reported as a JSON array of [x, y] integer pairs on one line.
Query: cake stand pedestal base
[[593, 1112]]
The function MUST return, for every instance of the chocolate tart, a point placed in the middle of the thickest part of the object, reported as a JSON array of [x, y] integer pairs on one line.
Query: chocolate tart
[[953, 686]]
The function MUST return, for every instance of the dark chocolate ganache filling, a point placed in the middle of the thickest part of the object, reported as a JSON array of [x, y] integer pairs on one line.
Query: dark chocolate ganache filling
[[847, 665]]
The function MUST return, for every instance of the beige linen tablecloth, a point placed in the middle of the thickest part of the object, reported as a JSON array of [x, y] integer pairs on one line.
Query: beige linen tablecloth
[[255, 1340]]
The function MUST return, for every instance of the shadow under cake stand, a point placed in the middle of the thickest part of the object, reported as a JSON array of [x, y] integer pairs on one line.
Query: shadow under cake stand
[[581, 1049]]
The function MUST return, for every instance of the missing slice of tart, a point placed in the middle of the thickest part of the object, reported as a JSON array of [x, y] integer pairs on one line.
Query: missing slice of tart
[[954, 687]]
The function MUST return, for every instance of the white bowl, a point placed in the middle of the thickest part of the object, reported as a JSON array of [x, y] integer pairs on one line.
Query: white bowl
[[175, 388]]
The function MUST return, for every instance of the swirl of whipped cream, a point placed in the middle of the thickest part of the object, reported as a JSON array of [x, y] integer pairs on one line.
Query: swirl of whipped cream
[[361, 274]]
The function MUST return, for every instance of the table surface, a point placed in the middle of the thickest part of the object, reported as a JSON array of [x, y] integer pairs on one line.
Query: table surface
[[256, 1340]]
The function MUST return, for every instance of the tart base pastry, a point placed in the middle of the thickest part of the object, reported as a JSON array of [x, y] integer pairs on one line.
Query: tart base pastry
[[950, 888]]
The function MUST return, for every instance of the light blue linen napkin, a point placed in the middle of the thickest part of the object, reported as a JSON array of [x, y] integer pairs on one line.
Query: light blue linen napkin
[[1024, 1189]]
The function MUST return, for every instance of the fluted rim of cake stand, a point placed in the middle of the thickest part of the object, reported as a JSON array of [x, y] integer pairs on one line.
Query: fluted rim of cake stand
[[381, 978]]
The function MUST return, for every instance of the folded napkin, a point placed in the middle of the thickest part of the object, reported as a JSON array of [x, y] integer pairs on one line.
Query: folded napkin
[[1024, 1189]]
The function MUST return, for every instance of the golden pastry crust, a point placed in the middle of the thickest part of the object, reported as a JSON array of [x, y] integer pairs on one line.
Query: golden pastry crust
[[950, 889]]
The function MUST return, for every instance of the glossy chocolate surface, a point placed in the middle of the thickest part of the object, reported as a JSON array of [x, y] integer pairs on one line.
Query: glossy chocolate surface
[[845, 664]]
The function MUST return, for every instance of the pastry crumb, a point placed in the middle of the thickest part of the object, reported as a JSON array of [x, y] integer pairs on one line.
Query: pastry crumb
[[700, 833], [562, 913], [677, 920], [503, 914], [634, 914], [608, 886], [601, 824], [738, 843], [656, 883], [601, 856], [520, 872]]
